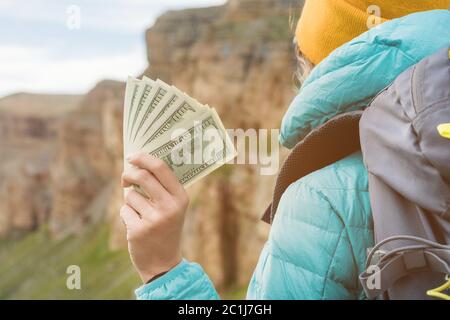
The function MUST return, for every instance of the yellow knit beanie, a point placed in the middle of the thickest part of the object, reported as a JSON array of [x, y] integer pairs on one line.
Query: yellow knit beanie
[[327, 24]]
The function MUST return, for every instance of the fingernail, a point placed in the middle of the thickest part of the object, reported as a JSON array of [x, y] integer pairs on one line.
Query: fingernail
[[129, 157]]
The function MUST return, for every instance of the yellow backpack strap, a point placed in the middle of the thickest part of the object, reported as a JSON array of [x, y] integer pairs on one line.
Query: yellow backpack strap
[[444, 130], [438, 292]]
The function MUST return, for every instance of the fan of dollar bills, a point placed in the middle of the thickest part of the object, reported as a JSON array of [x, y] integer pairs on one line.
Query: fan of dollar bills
[[162, 121]]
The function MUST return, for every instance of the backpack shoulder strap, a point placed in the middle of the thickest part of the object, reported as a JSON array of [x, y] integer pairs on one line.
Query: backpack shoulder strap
[[330, 142]]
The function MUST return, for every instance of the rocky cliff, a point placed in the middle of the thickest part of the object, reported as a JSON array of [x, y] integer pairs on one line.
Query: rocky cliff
[[33, 117], [88, 158], [237, 58], [29, 127]]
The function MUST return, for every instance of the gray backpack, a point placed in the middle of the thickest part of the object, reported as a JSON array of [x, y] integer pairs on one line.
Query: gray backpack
[[409, 178], [408, 160]]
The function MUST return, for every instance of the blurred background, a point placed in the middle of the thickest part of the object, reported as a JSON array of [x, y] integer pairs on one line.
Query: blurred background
[[62, 70]]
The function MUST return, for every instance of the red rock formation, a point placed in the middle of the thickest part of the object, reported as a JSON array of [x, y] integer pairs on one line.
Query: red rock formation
[[89, 147], [28, 128]]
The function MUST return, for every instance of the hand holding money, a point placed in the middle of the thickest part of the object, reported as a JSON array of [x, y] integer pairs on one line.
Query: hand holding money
[[170, 142], [164, 122], [154, 224]]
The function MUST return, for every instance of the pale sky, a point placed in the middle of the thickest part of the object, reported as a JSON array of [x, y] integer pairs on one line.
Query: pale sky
[[66, 46]]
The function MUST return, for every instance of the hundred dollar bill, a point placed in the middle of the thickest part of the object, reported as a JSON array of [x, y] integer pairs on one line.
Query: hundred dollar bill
[[131, 91], [161, 120], [198, 150], [169, 100], [176, 114], [163, 109], [141, 97], [156, 96]]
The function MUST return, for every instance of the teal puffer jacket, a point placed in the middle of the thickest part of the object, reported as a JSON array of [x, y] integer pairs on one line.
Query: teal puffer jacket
[[323, 226]]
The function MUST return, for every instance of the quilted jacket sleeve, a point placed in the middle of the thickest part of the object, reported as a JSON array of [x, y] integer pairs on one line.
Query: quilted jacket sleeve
[[187, 281]]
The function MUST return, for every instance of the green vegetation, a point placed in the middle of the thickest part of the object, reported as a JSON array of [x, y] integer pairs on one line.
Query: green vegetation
[[35, 267], [235, 293]]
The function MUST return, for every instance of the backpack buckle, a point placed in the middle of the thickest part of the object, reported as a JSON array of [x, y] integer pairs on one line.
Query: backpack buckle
[[376, 257]]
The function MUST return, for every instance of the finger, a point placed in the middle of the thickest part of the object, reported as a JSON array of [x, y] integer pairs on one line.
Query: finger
[[151, 186], [140, 204], [124, 183], [159, 169], [129, 216]]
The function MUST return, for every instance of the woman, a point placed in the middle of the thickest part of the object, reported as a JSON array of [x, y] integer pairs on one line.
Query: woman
[[323, 227]]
